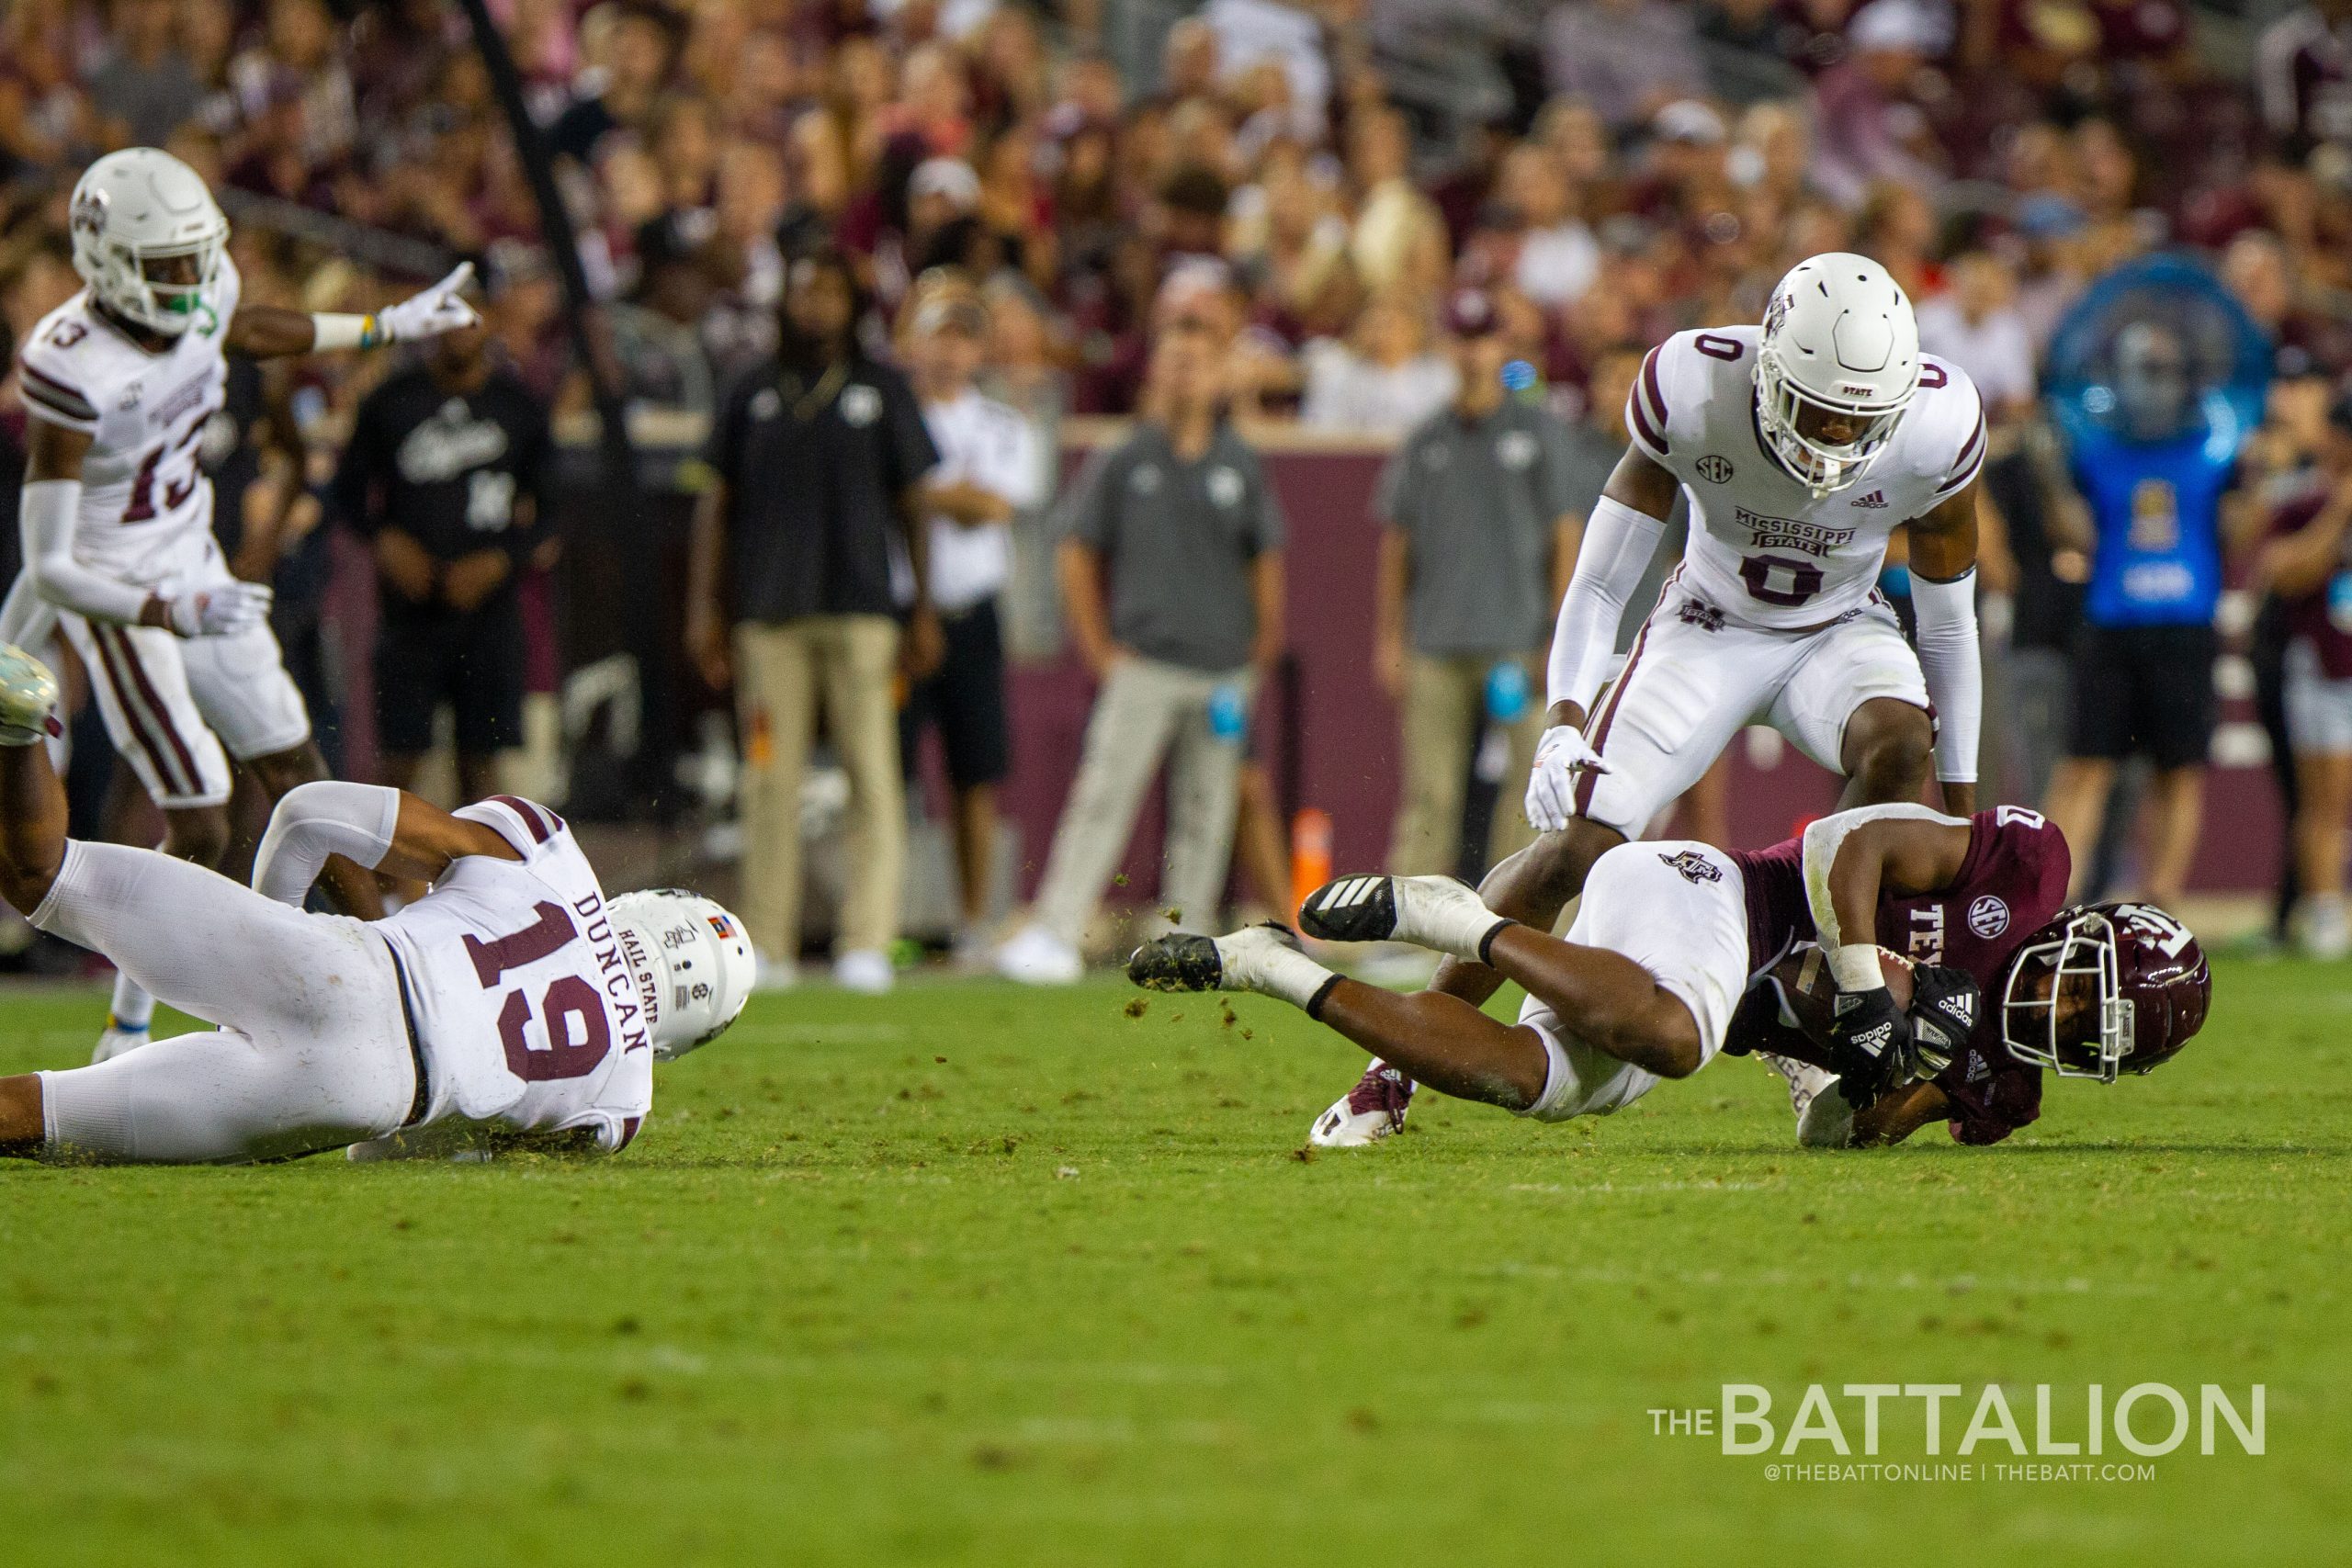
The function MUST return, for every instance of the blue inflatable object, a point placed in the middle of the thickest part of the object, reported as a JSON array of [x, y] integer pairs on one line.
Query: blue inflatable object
[[2228, 352]]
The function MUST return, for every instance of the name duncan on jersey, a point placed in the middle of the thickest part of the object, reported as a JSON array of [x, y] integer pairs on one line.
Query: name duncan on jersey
[[1788, 533], [624, 967]]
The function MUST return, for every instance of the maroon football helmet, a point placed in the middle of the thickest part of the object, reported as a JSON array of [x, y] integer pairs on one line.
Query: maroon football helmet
[[2105, 989]]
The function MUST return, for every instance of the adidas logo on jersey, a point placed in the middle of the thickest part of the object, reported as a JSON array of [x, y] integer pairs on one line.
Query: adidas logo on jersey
[[1876, 499]]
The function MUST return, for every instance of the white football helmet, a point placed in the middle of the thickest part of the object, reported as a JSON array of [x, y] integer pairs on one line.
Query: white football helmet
[[701, 962], [139, 213], [1838, 338]]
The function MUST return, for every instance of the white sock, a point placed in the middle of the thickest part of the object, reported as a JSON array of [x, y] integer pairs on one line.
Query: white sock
[[1441, 914], [133, 1007], [1270, 968]]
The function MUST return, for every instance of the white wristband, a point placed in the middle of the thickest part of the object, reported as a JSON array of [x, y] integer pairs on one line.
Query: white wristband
[[1856, 967], [329, 332]]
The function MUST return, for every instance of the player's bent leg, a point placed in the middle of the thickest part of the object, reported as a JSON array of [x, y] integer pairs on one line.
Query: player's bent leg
[[1440, 1040], [1531, 887], [1888, 747], [1607, 1000]]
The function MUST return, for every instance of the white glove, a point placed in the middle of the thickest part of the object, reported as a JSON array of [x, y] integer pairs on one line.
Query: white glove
[[438, 309], [1560, 756], [223, 610]]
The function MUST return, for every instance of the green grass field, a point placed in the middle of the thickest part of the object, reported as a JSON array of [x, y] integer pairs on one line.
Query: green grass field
[[977, 1275]]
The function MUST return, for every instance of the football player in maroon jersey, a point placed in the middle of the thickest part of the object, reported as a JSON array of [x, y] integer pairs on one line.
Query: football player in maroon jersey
[[1647, 982]]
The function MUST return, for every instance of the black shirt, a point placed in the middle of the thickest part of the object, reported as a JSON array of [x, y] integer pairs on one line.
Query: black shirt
[[450, 469], [814, 473], [234, 439]]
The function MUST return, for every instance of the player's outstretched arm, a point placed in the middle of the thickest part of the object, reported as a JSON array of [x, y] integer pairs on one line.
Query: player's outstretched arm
[[271, 331], [373, 828], [1943, 593]]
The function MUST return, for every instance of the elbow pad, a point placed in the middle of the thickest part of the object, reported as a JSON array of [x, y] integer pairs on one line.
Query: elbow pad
[[328, 818]]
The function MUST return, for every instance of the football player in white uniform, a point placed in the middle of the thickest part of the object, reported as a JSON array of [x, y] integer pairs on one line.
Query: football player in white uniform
[[120, 382], [512, 1001], [1801, 444]]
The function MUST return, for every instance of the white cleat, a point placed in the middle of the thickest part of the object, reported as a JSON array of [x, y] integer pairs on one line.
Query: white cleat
[[1036, 956], [1824, 1119], [1374, 1109], [118, 1041], [27, 698]]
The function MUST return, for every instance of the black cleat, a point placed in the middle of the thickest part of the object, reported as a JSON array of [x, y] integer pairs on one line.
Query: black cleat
[[1353, 908], [1179, 961]]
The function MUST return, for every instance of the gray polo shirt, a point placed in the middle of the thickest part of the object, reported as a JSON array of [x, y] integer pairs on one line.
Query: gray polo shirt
[[1477, 501], [1179, 538]]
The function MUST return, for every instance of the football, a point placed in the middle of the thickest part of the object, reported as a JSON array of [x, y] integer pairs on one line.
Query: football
[[1808, 990]]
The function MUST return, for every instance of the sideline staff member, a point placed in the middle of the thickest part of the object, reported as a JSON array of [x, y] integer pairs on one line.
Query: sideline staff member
[[444, 473], [819, 455]]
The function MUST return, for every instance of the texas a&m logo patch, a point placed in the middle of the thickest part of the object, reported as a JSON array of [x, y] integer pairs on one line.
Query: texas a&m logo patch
[[1694, 866]]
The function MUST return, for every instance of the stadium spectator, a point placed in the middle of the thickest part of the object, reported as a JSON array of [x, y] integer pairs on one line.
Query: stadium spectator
[[2307, 564], [989, 471], [1384, 381], [2152, 487], [1626, 58], [818, 456], [633, 51], [1976, 325], [1172, 576], [444, 475], [1869, 128], [144, 89], [1479, 522]]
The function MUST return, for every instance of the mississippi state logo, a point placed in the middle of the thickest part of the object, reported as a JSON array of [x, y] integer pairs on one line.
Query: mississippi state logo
[[1988, 917], [1224, 488], [861, 404], [1694, 866], [1714, 470]]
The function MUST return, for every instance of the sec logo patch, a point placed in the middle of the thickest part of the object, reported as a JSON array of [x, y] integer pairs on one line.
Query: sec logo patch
[[1988, 917], [1714, 468]]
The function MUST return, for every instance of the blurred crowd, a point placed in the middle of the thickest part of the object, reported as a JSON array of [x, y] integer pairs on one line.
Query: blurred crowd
[[1611, 169], [1308, 182]]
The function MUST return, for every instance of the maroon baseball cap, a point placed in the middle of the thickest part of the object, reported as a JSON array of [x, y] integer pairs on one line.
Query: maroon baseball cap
[[1470, 312]]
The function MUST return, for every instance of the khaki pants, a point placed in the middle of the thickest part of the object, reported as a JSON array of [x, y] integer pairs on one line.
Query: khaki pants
[[781, 673], [1444, 713], [1145, 710]]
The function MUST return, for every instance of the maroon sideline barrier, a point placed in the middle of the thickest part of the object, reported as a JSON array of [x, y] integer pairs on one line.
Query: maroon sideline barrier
[[1335, 745]]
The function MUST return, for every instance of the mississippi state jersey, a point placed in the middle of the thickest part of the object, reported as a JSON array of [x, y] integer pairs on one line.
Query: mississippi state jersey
[[2011, 883], [1761, 547], [146, 515], [528, 1010]]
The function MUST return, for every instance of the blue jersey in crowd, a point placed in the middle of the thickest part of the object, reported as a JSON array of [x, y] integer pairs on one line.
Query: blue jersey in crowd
[[2157, 510]]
